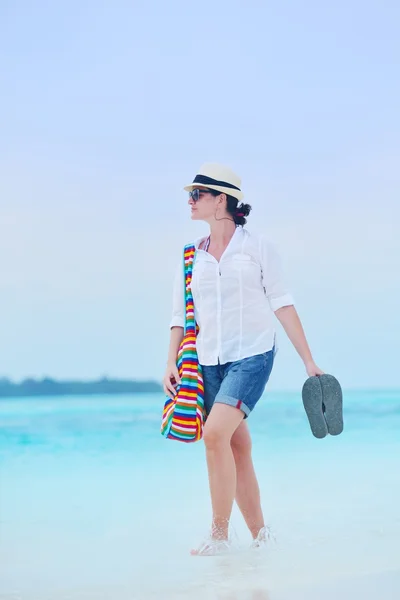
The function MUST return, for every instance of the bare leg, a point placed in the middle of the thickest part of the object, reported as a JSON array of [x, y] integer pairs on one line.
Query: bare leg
[[247, 490], [221, 423]]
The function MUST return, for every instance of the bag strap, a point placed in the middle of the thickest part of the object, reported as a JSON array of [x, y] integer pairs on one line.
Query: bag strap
[[189, 253]]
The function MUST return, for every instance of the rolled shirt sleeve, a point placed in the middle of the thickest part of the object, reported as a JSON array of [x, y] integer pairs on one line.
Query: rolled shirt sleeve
[[276, 290], [178, 307]]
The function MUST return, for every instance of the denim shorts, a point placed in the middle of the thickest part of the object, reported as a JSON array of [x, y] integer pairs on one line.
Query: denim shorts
[[239, 384]]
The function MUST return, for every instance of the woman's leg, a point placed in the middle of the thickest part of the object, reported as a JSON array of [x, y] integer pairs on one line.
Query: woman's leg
[[247, 490], [221, 424], [240, 386]]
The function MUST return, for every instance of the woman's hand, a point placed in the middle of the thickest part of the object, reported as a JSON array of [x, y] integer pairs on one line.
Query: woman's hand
[[171, 380], [312, 369]]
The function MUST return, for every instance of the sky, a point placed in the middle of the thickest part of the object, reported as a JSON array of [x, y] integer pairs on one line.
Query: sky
[[107, 109]]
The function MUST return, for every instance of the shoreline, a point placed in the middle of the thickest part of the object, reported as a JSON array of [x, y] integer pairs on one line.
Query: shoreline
[[40, 388]]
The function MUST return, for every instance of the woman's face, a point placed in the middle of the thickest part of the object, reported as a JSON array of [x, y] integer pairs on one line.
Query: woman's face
[[203, 204]]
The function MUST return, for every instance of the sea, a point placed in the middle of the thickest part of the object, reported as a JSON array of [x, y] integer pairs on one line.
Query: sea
[[96, 505]]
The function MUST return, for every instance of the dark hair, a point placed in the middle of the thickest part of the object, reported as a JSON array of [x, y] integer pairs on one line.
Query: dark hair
[[233, 208]]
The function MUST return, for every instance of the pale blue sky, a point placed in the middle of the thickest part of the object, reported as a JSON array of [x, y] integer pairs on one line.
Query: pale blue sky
[[108, 109]]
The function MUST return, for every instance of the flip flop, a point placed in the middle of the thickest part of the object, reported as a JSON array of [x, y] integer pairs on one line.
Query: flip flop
[[313, 405], [323, 403], [332, 397]]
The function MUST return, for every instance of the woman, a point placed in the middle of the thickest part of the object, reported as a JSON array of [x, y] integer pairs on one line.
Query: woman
[[237, 285]]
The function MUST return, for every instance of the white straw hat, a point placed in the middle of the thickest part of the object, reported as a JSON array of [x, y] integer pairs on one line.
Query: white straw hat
[[217, 177]]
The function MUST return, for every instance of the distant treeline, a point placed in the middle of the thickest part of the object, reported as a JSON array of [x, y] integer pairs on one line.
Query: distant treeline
[[51, 387]]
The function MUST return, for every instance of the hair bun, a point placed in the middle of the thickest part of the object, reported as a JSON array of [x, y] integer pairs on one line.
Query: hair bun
[[242, 211], [238, 211]]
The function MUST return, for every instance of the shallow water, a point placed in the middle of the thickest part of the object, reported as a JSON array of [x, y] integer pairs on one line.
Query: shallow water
[[96, 504]]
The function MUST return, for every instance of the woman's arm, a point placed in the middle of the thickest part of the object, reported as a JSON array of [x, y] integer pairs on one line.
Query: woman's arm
[[177, 323], [290, 320], [282, 304], [171, 372], [174, 341]]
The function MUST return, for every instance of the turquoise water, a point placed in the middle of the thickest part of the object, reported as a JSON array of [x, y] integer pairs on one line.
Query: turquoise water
[[96, 504]]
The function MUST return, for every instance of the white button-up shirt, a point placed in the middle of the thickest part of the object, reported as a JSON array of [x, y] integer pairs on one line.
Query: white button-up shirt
[[234, 299]]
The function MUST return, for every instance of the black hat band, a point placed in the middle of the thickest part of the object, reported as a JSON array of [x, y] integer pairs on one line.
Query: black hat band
[[204, 180]]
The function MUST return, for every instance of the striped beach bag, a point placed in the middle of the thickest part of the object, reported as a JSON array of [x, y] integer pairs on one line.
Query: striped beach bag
[[184, 416]]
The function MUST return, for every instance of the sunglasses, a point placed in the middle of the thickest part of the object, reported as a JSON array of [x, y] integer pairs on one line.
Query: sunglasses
[[196, 193]]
